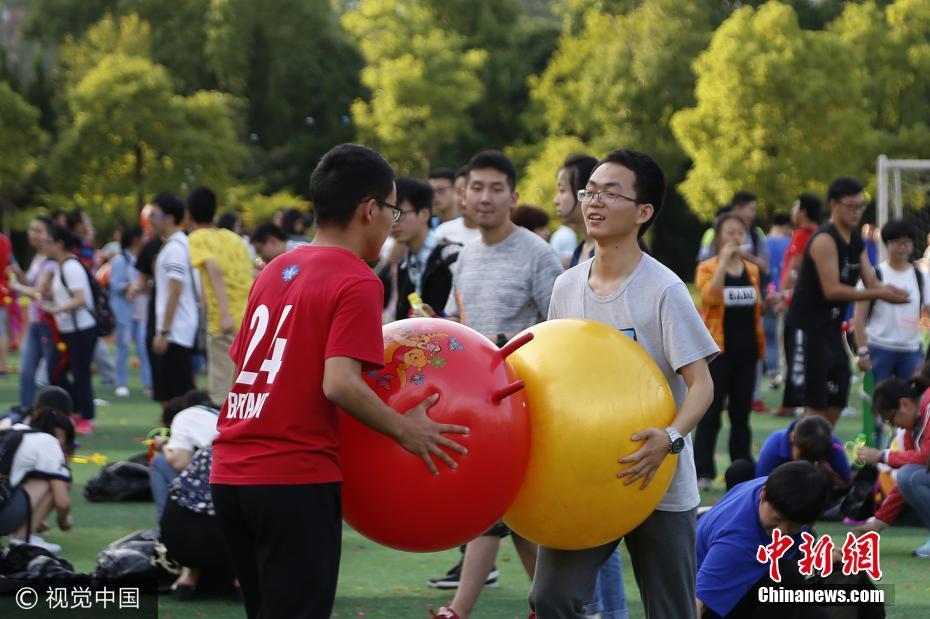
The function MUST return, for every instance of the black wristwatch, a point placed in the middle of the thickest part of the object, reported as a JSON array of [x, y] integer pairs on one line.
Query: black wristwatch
[[501, 340], [676, 441]]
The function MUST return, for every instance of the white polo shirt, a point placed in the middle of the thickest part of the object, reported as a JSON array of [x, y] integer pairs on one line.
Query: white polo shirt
[[174, 263]]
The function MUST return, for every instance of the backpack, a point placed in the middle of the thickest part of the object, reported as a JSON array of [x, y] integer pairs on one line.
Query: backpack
[[102, 312], [139, 555], [10, 441], [120, 481], [920, 292]]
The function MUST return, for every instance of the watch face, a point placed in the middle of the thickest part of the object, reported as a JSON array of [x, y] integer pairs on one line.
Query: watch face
[[677, 445]]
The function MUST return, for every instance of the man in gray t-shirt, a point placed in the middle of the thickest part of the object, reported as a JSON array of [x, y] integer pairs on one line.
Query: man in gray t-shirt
[[501, 284], [632, 292]]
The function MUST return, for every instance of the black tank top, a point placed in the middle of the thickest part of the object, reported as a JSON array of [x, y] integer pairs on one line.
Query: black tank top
[[809, 308]]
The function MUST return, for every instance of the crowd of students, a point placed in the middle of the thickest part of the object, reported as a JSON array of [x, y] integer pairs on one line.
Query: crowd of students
[[285, 344]]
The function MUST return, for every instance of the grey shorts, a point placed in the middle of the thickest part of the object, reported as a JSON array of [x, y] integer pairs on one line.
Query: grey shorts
[[13, 515]]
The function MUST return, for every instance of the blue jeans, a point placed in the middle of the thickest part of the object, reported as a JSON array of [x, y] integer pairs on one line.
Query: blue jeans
[[914, 483], [610, 601], [887, 363], [160, 475], [772, 344], [37, 345], [126, 333]]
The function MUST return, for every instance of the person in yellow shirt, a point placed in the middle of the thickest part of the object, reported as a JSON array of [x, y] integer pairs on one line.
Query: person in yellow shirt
[[226, 274]]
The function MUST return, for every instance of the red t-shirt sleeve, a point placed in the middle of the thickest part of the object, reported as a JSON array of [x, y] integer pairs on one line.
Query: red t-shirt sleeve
[[355, 331]]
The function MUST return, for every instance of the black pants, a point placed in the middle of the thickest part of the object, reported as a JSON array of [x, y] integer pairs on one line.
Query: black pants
[[734, 380], [195, 540], [285, 543], [81, 345], [172, 372]]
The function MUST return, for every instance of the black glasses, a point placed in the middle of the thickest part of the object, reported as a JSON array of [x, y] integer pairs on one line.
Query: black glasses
[[607, 197], [398, 212]]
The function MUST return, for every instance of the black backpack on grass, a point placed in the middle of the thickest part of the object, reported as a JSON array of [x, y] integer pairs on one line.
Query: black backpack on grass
[[120, 481]]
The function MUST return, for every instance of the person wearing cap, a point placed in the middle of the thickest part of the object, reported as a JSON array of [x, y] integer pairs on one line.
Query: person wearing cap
[[38, 473]]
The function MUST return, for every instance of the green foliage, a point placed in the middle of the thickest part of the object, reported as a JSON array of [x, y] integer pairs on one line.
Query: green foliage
[[779, 111], [132, 136], [536, 184], [422, 79], [891, 52], [128, 36], [256, 208], [22, 139]]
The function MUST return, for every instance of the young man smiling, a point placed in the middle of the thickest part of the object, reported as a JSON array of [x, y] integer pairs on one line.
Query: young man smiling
[[628, 290]]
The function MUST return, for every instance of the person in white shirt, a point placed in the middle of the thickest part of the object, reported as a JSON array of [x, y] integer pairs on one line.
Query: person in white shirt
[[572, 178], [39, 476], [73, 305], [888, 335], [176, 313], [192, 419], [461, 229]]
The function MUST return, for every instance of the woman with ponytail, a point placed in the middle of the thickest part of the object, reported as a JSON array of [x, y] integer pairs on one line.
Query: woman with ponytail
[[904, 404]]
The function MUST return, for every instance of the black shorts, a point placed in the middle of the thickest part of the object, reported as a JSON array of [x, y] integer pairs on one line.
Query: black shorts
[[172, 373], [498, 529], [818, 368]]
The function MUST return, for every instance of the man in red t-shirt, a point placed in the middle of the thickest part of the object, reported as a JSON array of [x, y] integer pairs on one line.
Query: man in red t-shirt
[[805, 216], [312, 325]]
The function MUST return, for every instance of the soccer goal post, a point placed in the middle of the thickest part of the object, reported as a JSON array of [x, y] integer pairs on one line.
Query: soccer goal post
[[903, 190]]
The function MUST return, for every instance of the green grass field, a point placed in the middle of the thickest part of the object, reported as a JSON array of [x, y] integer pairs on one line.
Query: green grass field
[[379, 582]]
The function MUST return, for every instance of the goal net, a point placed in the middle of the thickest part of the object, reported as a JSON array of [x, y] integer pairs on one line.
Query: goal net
[[903, 190]]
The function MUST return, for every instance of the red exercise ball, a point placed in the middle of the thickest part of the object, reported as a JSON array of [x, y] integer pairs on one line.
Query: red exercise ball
[[388, 494]]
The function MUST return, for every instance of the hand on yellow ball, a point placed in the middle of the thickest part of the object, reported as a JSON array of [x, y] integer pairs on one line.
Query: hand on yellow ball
[[646, 460]]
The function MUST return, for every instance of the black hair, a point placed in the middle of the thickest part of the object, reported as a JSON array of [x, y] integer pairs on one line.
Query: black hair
[[290, 220], [129, 234], [201, 203], [897, 229], [461, 172], [60, 234], [228, 221], [50, 420], [781, 219], [416, 192], [742, 198], [579, 168], [889, 392], [728, 216], [530, 217], [723, 210], [446, 173], [494, 160], [75, 218], [46, 220], [813, 436], [53, 398], [811, 205], [844, 186], [346, 175], [650, 180], [798, 491], [194, 397], [266, 230], [171, 205]]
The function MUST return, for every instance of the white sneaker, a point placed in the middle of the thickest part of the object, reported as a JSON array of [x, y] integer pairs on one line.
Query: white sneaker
[[122, 392], [37, 540]]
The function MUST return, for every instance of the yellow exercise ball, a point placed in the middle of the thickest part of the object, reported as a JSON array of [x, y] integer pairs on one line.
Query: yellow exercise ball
[[589, 388]]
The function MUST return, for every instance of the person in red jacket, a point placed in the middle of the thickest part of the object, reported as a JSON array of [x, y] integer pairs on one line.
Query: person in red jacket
[[905, 404]]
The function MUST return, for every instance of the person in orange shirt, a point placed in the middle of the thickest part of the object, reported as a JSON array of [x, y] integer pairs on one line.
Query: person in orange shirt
[[732, 310]]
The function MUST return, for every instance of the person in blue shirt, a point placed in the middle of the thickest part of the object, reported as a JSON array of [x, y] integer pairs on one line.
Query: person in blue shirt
[[729, 535], [810, 439]]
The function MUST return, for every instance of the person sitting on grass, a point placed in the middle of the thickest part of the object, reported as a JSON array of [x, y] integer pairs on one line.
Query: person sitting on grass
[[192, 419], [905, 404], [811, 439], [35, 461]]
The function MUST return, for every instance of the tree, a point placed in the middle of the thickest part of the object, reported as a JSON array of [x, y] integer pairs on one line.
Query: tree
[[132, 136], [421, 77], [779, 111], [22, 139], [127, 36], [293, 64], [891, 51]]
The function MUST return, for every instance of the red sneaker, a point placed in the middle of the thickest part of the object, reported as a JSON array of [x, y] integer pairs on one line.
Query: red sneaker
[[759, 407], [444, 613], [84, 426]]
